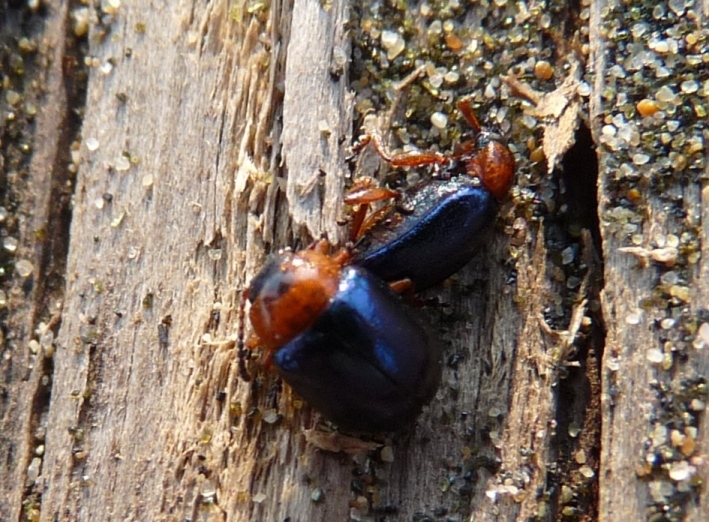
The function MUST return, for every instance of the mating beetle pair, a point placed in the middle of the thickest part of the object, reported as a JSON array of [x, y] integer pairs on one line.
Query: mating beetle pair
[[334, 330]]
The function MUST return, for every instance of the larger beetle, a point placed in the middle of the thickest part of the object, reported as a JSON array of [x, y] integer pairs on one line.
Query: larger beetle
[[343, 340]]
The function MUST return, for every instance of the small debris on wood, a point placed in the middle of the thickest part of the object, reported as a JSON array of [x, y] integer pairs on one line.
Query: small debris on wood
[[666, 256], [558, 112], [337, 443]]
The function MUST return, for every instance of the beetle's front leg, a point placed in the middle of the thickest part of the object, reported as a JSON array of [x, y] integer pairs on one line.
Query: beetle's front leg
[[366, 191]]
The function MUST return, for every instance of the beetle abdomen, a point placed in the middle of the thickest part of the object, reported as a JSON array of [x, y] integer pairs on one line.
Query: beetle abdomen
[[366, 363]]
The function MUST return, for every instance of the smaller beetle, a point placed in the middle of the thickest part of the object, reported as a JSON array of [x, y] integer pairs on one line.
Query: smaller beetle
[[437, 224], [343, 340]]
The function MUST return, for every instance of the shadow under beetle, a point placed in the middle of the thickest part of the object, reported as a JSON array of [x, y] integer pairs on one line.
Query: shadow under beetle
[[343, 340], [436, 225]]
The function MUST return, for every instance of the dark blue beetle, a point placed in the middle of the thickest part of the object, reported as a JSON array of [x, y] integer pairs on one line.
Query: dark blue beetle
[[343, 340], [437, 238], [436, 225]]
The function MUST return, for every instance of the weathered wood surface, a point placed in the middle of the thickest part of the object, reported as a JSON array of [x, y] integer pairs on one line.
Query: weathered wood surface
[[24, 383], [632, 408], [220, 136]]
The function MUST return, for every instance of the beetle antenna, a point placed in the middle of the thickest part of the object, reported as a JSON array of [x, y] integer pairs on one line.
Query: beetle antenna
[[242, 352]]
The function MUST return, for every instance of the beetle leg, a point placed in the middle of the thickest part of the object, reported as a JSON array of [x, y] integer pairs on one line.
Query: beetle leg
[[362, 221], [266, 357], [418, 159], [403, 287], [245, 347], [321, 246], [357, 221], [368, 195], [342, 256], [371, 220], [405, 159], [358, 146], [366, 191], [407, 290], [466, 109]]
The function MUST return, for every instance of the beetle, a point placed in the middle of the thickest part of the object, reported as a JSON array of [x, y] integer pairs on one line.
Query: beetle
[[343, 340], [435, 226]]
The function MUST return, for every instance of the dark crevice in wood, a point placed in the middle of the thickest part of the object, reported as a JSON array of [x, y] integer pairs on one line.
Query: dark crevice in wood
[[578, 411], [580, 177], [18, 69], [571, 18], [42, 233], [53, 239], [20, 72]]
